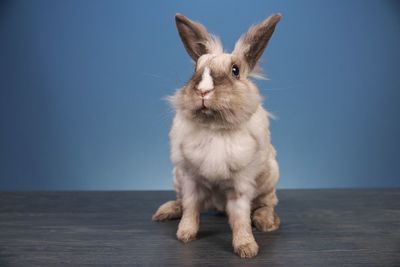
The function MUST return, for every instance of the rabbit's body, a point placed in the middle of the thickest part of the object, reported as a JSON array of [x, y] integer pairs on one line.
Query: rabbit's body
[[220, 141], [223, 162]]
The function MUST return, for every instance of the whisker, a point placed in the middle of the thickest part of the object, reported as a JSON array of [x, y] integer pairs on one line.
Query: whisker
[[278, 88], [157, 76]]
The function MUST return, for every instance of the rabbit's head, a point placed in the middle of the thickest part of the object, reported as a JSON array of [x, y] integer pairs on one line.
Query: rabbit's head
[[219, 92]]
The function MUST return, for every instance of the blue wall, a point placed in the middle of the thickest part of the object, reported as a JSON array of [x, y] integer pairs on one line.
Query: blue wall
[[82, 82]]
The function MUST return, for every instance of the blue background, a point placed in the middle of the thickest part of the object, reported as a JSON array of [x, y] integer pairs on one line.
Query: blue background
[[82, 86]]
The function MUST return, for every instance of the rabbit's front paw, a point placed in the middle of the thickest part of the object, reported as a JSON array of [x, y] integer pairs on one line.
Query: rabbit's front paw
[[247, 250], [186, 234]]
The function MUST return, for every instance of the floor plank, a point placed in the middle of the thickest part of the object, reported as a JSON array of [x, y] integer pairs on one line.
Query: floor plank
[[347, 227]]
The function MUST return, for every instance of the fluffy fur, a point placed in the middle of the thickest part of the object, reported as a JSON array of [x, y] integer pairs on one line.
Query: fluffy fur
[[220, 141]]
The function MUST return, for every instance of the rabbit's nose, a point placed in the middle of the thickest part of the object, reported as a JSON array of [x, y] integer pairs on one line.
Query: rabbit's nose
[[203, 93]]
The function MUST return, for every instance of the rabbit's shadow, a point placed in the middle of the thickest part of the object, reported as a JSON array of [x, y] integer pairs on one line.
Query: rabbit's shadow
[[216, 231]]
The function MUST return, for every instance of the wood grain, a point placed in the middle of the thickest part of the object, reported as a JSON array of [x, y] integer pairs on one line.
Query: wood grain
[[353, 227]]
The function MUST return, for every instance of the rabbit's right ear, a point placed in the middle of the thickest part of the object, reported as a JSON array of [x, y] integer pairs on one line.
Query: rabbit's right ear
[[252, 44], [195, 37]]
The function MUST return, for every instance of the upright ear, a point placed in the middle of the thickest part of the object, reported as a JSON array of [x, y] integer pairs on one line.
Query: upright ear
[[195, 37], [252, 45]]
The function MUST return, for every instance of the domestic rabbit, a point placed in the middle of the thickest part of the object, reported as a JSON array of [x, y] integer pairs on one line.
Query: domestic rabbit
[[221, 148]]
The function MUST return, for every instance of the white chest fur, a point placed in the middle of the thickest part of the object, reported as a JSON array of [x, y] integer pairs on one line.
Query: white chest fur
[[217, 155]]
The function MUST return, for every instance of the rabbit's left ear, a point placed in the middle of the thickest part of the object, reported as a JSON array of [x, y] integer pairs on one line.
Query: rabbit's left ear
[[195, 38], [251, 45]]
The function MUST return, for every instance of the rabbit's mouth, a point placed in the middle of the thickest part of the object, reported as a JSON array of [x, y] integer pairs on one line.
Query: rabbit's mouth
[[203, 105], [205, 114], [205, 108], [206, 111]]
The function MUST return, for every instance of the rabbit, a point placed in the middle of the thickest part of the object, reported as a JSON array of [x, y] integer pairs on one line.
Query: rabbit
[[220, 141]]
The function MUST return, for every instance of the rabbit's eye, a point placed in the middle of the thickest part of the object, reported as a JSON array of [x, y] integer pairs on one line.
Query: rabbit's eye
[[235, 70]]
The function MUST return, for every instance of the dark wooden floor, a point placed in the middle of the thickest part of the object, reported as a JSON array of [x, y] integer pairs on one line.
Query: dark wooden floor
[[319, 228]]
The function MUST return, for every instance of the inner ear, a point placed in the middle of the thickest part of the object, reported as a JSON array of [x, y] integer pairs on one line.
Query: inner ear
[[194, 36], [252, 45]]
